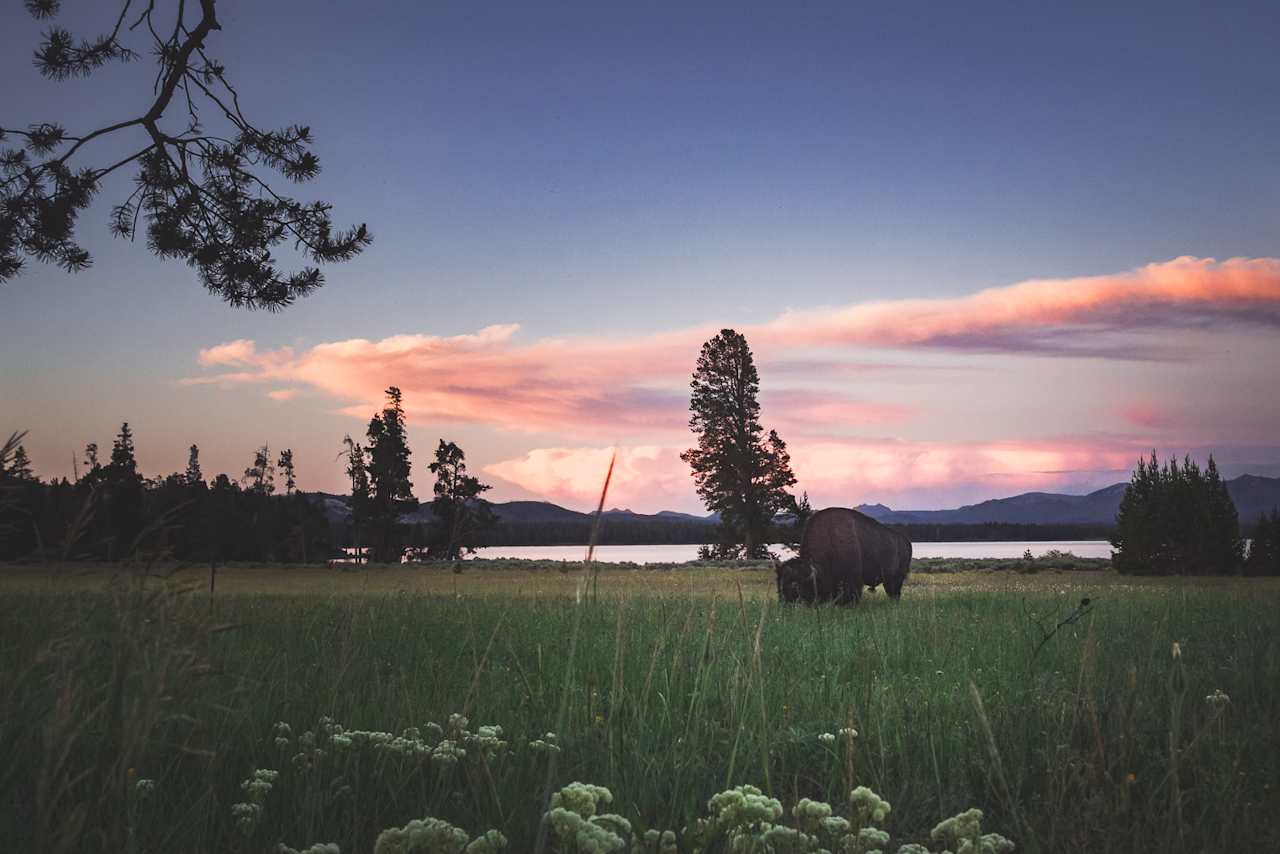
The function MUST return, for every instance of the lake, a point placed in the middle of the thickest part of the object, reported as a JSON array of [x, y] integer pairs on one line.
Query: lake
[[682, 553]]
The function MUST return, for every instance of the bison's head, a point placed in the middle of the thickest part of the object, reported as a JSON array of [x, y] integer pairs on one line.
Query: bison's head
[[795, 580]]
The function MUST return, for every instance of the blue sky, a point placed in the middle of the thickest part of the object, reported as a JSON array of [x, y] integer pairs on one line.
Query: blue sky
[[628, 170]]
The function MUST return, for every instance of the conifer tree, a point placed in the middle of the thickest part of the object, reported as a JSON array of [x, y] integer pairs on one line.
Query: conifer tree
[[124, 495], [20, 468], [193, 474], [459, 514], [285, 464], [739, 471], [390, 490], [123, 461], [357, 470], [199, 184], [260, 477], [91, 457]]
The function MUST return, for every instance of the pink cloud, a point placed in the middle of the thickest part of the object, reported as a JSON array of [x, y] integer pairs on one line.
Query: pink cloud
[[631, 388], [1057, 315], [1146, 414], [239, 352], [284, 393], [907, 475]]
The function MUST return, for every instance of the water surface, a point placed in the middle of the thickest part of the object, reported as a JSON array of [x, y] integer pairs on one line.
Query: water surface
[[682, 553]]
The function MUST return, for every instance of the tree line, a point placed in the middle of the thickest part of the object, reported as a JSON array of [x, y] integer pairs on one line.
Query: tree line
[[1179, 519], [110, 511]]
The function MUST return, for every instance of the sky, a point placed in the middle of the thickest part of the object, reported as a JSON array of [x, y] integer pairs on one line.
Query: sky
[[977, 249]]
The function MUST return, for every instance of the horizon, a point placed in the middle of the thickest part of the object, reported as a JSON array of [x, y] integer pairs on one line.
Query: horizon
[[976, 253]]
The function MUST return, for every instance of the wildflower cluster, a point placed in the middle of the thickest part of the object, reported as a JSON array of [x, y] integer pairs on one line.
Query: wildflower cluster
[[578, 827], [549, 743], [434, 836], [744, 819], [867, 806], [1218, 700], [963, 834], [655, 842], [829, 739], [248, 813], [428, 743], [318, 848]]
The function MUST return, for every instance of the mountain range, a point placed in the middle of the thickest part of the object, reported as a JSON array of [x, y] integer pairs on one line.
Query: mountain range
[[1252, 495]]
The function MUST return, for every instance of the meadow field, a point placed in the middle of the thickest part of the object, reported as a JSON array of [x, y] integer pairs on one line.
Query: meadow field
[[309, 705]]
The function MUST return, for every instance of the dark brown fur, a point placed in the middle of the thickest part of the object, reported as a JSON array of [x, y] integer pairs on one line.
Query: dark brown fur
[[841, 552]]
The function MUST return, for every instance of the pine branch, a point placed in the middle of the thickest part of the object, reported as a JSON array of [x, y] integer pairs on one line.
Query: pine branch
[[202, 199]]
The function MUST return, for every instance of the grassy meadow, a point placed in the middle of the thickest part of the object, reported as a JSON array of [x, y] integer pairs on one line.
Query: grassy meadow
[[684, 683]]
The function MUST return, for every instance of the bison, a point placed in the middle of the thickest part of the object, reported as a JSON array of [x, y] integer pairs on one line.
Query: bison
[[841, 552]]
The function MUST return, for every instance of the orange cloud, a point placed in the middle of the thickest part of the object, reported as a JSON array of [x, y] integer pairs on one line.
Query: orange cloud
[[635, 387], [1057, 315]]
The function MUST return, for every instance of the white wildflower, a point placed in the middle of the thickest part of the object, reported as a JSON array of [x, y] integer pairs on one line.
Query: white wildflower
[[490, 842], [988, 843], [318, 848], [581, 798], [836, 826], [421, 836], [827, 738], [865, 841], [810, 815], [965, 826], [654, 842], [447, 753], [868, 807], [1218, 699], [144, 787]]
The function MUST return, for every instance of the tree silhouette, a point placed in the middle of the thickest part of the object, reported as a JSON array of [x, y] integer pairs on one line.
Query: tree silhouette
[[259, 478], [200, 191], [358, 471], [20, 468], [390, 490], [460, 515], [193, 474], [286, 465], [739, 472]]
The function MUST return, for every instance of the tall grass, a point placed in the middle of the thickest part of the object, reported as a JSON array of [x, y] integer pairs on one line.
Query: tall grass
[[1102, 741]]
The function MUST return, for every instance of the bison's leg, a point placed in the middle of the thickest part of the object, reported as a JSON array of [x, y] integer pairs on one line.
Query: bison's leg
[[850, 591]]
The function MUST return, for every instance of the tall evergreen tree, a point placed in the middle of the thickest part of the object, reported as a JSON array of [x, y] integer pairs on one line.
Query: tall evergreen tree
[[123, 461], [390, 490], [459, 514], [285, 464], [194, 475], [91, 457], [260, 477], [358, 472], [739, 471], [20, 468], [124, 495]]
